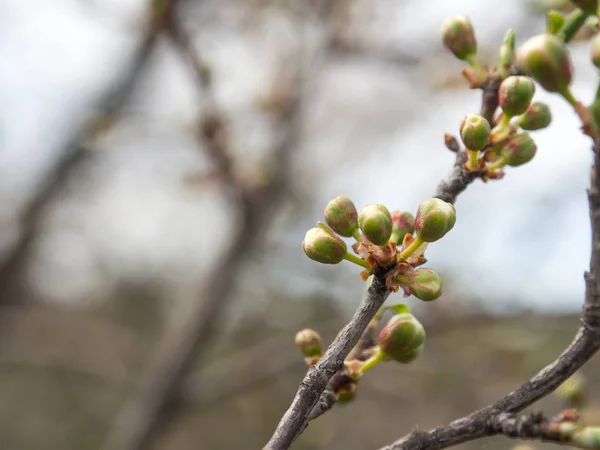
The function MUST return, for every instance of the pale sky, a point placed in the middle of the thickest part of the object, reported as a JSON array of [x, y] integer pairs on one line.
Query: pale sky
[[525, 238]]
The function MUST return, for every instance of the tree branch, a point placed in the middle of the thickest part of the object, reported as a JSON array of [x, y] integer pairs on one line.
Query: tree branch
[[317, 378], [586, 343], [315, 395], [107, 112]]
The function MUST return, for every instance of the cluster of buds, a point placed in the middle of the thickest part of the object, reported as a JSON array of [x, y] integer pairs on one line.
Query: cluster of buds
[[401, 339], [394, 240], [506, 141]]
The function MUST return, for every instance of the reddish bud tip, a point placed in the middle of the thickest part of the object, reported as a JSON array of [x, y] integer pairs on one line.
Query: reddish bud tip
[[459, 37], [375, 221], [546, 59], [402, 337], [515, 94], [434, 219], [475, 132], [323, 247], [536, 117], [309, 342], [426, 284], [403, 223], [518, 150], [341, 215]]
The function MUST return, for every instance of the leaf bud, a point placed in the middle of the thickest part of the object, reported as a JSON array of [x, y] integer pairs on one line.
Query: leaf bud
[[401, 338], [475, 132], [518, 150], [426, 284], [309, 342], [515, 94], [546, 59], [403, 223], [341, 215], [324, 247], [434, 219], [375, 221], [459, 37], [536, 117], [506, 55]]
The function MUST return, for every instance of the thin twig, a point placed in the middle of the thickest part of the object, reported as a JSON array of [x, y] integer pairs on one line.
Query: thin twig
[[295, 419], [318, 377], [584, 346]]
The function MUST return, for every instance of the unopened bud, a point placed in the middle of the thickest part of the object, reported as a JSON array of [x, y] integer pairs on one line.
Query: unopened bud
[[475, 132], [459, 37], [518, 150], [403, 223], [409, 357], [546, 59], [309, 342], [515, 94], [324, 247], [375, 221], [341, 215], [426, 284], [401, 337], [434, 219], [536, 117], [346, 394], [595, 44]]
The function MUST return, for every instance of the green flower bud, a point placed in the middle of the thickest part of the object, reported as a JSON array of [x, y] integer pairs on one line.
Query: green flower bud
[[403, 223], [346, 394], [589, 6], [518, 150], [341, 215], [410, 356], [596, 50], [536, 117], [309, 342], [323, 247], [546, 59], [426, 284], [475, 132], [401, 337], [375, 221], [515, 94], [434, 219], [459, 37]]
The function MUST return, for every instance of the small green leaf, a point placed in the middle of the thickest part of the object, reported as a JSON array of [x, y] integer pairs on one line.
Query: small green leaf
[[555, 21]]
